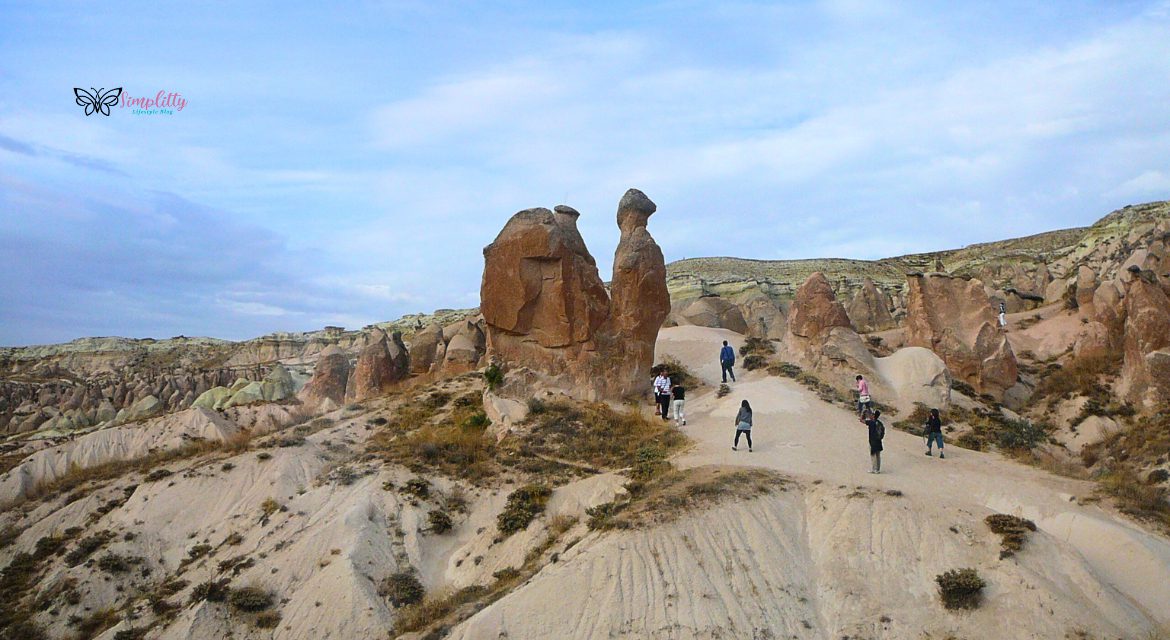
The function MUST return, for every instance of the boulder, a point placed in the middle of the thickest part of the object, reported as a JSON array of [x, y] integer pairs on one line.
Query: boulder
[[423, 346], [954, 318], [147, 407], [278, 384], [545, 307], [815, 309], [870, 309], [1086, 286], [1146, 344], [329, 379], [213, 398], [715, 312], [251, 393]]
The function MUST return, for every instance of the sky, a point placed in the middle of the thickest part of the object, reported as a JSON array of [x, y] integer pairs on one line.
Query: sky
[[344, 165]]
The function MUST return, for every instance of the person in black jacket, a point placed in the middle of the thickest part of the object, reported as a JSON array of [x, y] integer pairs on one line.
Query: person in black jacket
[[933, 432], [680, 400], [877, 431]]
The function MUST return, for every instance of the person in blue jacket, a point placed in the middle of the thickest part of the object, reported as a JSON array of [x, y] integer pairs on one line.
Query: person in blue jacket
[[727, 360]]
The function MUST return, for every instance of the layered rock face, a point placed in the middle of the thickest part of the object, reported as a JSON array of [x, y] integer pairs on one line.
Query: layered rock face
[[870, 309], [955, 319], [546, 308]]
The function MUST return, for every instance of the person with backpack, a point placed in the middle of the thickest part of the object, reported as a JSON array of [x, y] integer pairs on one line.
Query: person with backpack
[[679, 394], [864, 400], [727, 360], [933, 432], [743, 425], [877, 431], [662, 394]]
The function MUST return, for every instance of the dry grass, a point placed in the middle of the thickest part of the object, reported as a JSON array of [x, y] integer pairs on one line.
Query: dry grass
[[1082, 376], [596, 435], [679, 373], [670, 495], [1136, 498], [960, 588], [426, 435]]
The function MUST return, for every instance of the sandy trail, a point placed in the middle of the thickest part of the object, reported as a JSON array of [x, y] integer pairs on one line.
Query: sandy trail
[[796, 433]]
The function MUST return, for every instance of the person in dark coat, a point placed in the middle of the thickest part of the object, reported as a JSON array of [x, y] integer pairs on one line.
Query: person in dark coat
[[877, 431], [933, 431]]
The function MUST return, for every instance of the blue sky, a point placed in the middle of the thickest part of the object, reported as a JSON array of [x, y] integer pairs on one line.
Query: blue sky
[[346, 165]]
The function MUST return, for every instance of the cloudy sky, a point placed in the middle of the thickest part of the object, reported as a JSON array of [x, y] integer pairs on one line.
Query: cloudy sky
[[347, 165]]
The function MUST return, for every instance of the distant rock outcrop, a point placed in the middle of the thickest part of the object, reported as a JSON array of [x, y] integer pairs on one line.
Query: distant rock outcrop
[[870, 309], [330, 376], [382, 363], [954, 318], [423, 348], [545, 307]]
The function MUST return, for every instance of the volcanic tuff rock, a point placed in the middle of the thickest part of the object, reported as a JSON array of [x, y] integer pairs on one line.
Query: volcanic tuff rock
[[954, 318], [1147, 339], [715, 312], [546, 308], [382, 363], [870, 309], [423, 347], [329, 380]]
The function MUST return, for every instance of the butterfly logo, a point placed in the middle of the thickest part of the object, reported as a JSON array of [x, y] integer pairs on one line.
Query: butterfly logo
[[97, 100]]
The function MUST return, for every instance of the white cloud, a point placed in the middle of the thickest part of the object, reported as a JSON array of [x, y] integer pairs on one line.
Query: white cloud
[[1150, 183]]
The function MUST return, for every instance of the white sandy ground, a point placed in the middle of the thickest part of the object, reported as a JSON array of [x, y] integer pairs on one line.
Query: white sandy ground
[[835, 556], [831, 556]]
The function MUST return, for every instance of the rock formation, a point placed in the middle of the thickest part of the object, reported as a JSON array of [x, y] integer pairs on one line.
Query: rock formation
[[424, 345], [954, 318], [870, 309], [330, 376], [382, 363], [1146, 346], [545, 307], [713, 311]]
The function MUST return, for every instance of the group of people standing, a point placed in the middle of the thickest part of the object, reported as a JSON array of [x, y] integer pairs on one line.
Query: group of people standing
[[669, 395]]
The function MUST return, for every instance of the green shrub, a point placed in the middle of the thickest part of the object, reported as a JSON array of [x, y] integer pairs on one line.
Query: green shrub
[[602, 517], [724, 390], [86, 546], [649, 461], [523, 505], [960, 588], [493, 375], [418, 488], [753, 345], [113, 563], [785, 369], [440, 521], [1020, 435], [536, 406], [402, 588], [250, 599]]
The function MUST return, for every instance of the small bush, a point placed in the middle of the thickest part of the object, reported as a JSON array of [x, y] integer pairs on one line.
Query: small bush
[[602, 517], [156, 475], [493, 375], [227, 466], [753, 345], [755, 361], [723, 391], [250, 599], [785, 369], [113, 563], [1012, 529], [960, 588], [234, 538], [536, 406], [649, 461], [94, 624], [1020, 435], [402, 588], [440, 522], [133, 633], [211, 591], [269, 507], [263, 455], [268, 620], [523, 505], [86, 546], [418, 488]]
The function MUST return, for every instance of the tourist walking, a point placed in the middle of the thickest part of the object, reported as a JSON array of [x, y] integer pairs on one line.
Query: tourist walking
[[743, 425], [877, 431], [1003, 316], [662, 394], [864, 400], [933, 431], [680, 399], [727, 360]]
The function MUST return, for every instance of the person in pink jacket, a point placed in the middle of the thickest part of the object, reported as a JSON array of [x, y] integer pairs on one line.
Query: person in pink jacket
[[864, 401]]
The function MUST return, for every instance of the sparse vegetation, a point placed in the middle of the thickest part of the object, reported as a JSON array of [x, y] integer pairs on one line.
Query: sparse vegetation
[[723, 391], [249, 599], [493, 375], [212, 591], [268, 620], [522, 507], [754, 345], [95, 623], [1134, 497], [86, 546], [457, 445], [960, 588], [754, 361], [440, 521], [114, 563], [1013, 531], [668, 496], [679, 373], [418, 487], [402, 588]]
